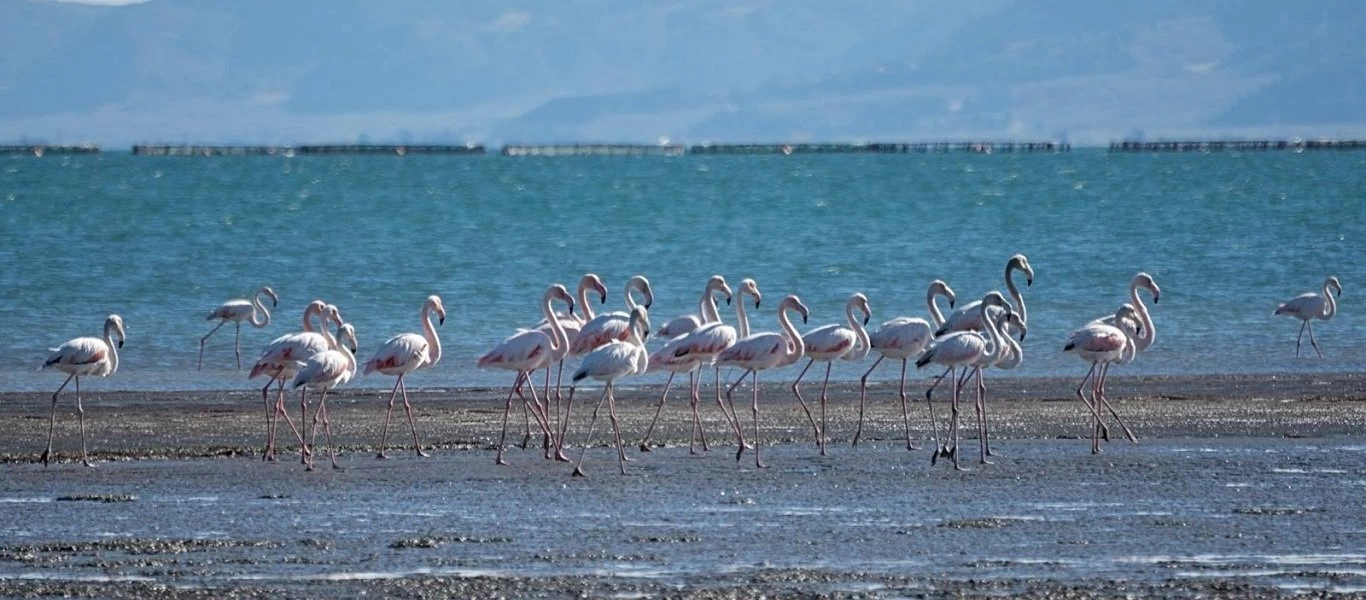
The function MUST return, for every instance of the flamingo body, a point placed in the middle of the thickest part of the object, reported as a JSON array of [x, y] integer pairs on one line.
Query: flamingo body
[[82, 357]]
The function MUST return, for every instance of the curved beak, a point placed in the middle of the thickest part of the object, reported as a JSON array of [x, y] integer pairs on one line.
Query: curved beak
[[727, 300], [441, 320], [865, 318], [120, 343]]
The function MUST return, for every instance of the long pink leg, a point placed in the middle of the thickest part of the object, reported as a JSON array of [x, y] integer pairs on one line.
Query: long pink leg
[[306, 456], [1300, 337], [52, 423], [739, 432], [1105, 370], [384, 433], [983, 449], [824, 386], [80, 416], [327, 427], [862, 400], [758, 462], [408, 408], [815, 429], [645, 441], [1095, 415], [543, 421], [588, 441], [731, 417], [953, 423], [616, 431], [237, 344], [1311, 339], [507, 408], [905, 415], [269, 453], [206, 338], [695, 399], [941, 448], [280, 412]]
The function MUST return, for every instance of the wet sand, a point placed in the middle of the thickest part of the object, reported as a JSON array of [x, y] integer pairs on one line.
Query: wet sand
[[1240, 486]]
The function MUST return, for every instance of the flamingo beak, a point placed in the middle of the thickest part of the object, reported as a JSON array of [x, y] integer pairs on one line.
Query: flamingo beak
[[756, 304], [727, 300], [441, 320], [120, 343], [866, 318]]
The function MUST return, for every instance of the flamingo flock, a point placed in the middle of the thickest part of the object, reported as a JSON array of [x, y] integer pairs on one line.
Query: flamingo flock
[[612, 346]]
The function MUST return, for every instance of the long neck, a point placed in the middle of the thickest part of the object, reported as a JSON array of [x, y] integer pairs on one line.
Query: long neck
[[260, 311], [113, 349], [741, 319], [1015, 294], [935, 315], [1330, 305], [308, 318], [1011, 355], [350, 358], [990, 327], [327, 333], [860, 349], [433, 340], [795, 346], [1130, 351], [706, 306], [585, 307], [630, 302], [559, 340], [1149, 334]]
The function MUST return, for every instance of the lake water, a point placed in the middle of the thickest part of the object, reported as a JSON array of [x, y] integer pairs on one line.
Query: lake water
[[161, 241]]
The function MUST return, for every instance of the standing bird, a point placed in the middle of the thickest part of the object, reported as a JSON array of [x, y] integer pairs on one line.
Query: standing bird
[[612, 326], [706, 310], [967, 317], [324, 371], [1309, 306], [1101, 344], [761, 351], [904, 338], [971, 350], [526, 351], [403, 354], [1141, 321], [830, 343], [281, 359], [253, 311], [610, 362], [83, 356]]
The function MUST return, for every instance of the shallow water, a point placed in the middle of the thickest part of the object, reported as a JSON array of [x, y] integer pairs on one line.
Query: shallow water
[[1271, 511], [163, 240]]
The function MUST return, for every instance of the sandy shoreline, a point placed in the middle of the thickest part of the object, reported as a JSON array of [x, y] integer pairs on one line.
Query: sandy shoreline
[[137, 425]]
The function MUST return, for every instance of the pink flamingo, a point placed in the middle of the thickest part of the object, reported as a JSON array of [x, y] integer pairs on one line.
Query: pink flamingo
[[830, 343], [904, 338], [526, 351], [83, 356], [967, 317], [610, 362], [706, 310], [1102, 344], [252, 311], [760, 351], [1309, 306], [612, 326], [699, 346], [571, 323], [280, 360], [403, 354], [321, 373], [1134, 319], [972, 351]]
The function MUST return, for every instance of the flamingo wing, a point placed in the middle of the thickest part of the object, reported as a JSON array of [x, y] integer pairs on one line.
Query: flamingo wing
[[521, 350], [834, 340], [680, 326], [232, 310], [1302, 306], [608, 362], [1096, 337], [957, 348], [324, 369], [967, 318], [757, 348], [600, 330], [704, 342], [78, 352], [405, 351], [287, 351], [905, 334]]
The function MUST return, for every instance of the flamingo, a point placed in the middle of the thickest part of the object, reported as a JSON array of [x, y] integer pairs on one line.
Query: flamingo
[[610, 362], [904, 338], [403, 354], [526, 351], [1100, 344], [706, 309], [1139, 325], [1309, 306], [83, 356], [967, 317], [571, 323], [252, 311], [970, 350], [280, 360], [699, 346], [321, 373], [830, 343], [1011, 356], [612, 326], [760, 351]]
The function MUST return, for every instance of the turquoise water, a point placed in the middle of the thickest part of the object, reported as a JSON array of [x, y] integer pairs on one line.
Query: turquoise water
[[163, 240]]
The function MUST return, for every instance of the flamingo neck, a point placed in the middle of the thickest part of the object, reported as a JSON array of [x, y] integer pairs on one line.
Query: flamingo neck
[[585, 308], [1330, 304], [327, 333], [990, 327], [741, 319], [936, 316], [795, 346], [259, 311], [433, 340], [1012, 355], [559, 340], [1015, 295], [113, 348], [707, 308], [1149, 334], [863, 345], [309, 311]]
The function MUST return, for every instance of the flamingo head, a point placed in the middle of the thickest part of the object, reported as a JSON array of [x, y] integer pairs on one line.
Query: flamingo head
[[114, 325], [434, 301], [559, 292], [591, 281], [718, 283], [347, 333], [640, 320], [1331, 282], [274, 300], [1145, 281], [333, 314], [1014, 319], [995, 298], [794, 303], [751, 287], [641, 284], [1021, 264], [860, 302], [1126, 318], [939, 287]]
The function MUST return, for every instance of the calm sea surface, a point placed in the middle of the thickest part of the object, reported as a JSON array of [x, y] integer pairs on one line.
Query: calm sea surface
[[161, 241]]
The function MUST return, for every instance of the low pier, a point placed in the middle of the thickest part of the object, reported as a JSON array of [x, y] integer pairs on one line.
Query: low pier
[[988, 147], [316, 149], [594, 150], [44, 149], [1236, 145]]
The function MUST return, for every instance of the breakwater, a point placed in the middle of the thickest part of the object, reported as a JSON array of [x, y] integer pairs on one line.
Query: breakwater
[[988, 147], [44, 149], [1236, 145], [306, 150], [593, 149]]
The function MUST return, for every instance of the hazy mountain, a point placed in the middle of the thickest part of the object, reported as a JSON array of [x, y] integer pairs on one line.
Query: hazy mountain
[[691, 70]]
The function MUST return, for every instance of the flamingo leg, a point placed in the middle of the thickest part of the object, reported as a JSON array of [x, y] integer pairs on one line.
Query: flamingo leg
[[824, 386], [281, 412], [408, 408], [306, 457], [940, 447], [739, 432], [905, 415], [1311, 339], [269, 452], [731, 417], [983, 448], [695, 383], [1095, 415], [758, 462], [327, 427], [526, 413], [815, 429], [1100, 397], [953, 421], [384, 433], [1299, 337], [52, 423], [616, 431], [80, 416], [863, 396], [545, 410], [206, 338], [541, 419], [578, 468], [645, 441], [507, 408], [564, 426], [237, 344]]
